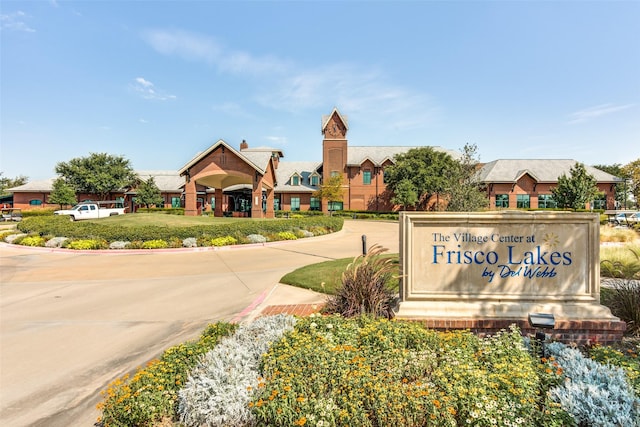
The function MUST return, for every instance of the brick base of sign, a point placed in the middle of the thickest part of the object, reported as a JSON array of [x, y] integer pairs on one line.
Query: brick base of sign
[[580, 332]]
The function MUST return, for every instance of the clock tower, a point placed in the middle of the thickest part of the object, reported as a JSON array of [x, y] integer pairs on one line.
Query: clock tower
[[334, 148]]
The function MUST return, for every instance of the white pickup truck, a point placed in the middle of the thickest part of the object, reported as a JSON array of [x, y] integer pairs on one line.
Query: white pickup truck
[[90, 210]]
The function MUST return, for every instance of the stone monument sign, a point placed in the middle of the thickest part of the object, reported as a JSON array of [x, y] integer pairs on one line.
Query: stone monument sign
[[500, 265]]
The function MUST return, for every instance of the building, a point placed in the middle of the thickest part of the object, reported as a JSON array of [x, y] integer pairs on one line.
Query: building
[[528, 183], [256, 182]]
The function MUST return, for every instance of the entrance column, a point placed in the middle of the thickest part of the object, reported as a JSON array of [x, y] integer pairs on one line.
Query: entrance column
[[270, 212], [190, 202], [218, 209], [256, 197]]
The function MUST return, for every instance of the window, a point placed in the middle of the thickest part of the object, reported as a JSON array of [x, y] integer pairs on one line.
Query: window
[[522, 201], [314, 204], [295, 203], [175, 202], [334, 173], [315, 180], [276, 203], [335, 206], [502, 200], [385, 177], [546, 201], [600, 202], [295, 180], [366, 177], [35, 202], [213, 203]]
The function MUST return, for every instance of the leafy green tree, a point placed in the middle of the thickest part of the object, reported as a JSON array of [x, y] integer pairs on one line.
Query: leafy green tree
[[99, 173], [148, 193], [575, 190], [6, 182], [464, 190], [62, 193], [405, 194], [621, 189], [425, 168], [632, 171], [331, 191]]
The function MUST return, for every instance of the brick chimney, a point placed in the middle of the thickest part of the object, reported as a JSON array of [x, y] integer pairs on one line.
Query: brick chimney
[[243, 145]]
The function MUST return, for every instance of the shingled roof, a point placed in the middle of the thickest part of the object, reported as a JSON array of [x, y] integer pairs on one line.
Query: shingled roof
[[542, 170], [378, 155]]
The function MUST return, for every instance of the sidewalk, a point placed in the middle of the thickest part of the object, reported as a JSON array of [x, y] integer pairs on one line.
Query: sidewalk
[[283, 299]]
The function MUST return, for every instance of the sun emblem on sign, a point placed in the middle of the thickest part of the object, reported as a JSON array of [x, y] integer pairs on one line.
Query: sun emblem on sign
[[551, 240]]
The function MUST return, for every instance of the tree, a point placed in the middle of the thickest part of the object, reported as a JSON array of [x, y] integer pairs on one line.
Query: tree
[[331, 191], [99, 174], [148, 193], [632, 171], [622, 191], [405, 194], [464, 190], [577, 189], [6, 182], [62, 193], [425, 168]]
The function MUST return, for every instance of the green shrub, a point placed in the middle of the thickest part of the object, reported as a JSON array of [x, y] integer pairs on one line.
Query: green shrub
[[32, 241], [152, 392], [28, 213], [86, 244], [155, 244], [61, 226], [175, 242], [365, 287]]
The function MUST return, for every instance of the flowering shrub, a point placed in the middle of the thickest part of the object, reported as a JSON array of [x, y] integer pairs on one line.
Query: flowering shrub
[[155, 244], [31, 241], [594, 394], [85, 244], [220, 387], [152, 392], [286, 235], [224, 241], [365, 372]]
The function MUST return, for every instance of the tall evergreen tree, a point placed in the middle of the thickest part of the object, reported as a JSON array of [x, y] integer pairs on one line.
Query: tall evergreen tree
[[148, 193], [464, 190]]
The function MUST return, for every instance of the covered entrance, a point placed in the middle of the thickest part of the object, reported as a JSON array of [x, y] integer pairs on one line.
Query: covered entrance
[[242, 181]]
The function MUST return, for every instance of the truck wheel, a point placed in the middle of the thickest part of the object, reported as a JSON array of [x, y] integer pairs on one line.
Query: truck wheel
[[72, 218]]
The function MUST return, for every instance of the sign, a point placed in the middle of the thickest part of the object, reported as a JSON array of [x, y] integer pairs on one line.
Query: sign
[[500, 265]]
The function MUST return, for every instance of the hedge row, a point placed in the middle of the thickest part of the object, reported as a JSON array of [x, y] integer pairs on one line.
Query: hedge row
[[61, 226]]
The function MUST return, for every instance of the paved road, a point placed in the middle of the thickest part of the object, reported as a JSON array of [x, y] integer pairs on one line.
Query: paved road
[[72, 322]]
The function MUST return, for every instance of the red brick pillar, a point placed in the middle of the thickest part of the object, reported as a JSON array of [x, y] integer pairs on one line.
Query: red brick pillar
[[256, 197], [218, 208], [270, 212], [190, 199]]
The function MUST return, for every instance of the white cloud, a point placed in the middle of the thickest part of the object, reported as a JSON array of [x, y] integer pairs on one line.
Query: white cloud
[[15, 22], [142, 121], [147, 90], [594, 112], [284, 85]]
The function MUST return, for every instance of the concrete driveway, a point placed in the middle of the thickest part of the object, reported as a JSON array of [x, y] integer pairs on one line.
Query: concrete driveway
[[71, 322]]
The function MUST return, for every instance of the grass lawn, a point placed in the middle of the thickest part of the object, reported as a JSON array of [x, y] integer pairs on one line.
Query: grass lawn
[[328, 272], [143, 219]]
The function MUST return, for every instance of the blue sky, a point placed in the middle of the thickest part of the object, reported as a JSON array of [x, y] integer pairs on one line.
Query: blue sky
[[159, 81]]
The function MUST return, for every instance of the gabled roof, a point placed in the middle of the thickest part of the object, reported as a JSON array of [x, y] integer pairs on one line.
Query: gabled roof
[[43, 185], [259, 160], [167, 181], [287, 169], [542, 170], [378, 155], [327, 118]]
